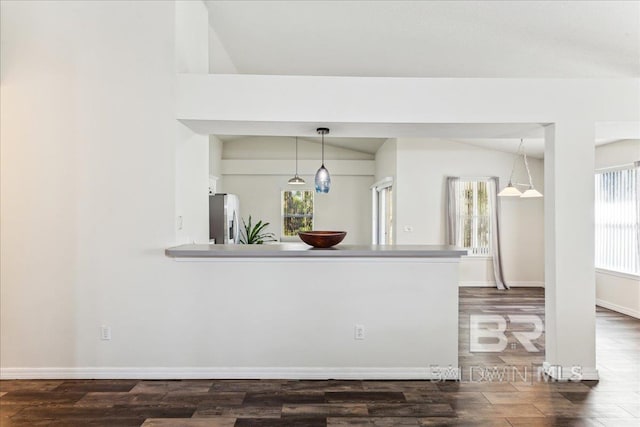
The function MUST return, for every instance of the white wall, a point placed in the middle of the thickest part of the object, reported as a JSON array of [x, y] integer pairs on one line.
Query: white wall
[[617, 153], [88, 152], [372, 103], [422, 166], [89, 149], [88, 176], [219, 60], [386, 166], [618, 291], [387, 160], [191, 37], [346, 207], [215, 161], [40, 184], [192, 149], [265, 147]]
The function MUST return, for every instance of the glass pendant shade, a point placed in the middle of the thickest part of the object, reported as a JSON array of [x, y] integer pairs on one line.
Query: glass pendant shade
[[510, 191], [323, 180], [530, 193], [296, 180]]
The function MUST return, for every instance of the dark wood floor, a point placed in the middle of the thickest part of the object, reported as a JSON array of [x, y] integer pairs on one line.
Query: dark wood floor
[[614, 401]]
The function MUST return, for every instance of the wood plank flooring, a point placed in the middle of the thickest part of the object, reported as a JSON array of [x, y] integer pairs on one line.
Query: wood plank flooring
[[483, 401]]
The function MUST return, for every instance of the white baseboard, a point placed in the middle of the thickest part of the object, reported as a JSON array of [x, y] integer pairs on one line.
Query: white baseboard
[[227, 373], [476, 284], [526, 284], [618, 308], [569, 373]]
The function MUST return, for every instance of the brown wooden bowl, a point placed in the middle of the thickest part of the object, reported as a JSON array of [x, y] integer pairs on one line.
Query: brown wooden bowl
[[322, 239]]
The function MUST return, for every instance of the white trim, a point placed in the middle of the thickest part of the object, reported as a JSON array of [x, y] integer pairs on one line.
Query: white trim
[[378, 201], [374, 215], [481, 284], [474, 178], [311, 373], [620, 309], [624, 166], [479, 257], [383, 183], [525, 284], [618, 274], [476, 284], [565, 374], [330, 259]]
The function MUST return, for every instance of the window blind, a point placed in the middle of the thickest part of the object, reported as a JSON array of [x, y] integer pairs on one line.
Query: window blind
[[472, 217], [617, 213]]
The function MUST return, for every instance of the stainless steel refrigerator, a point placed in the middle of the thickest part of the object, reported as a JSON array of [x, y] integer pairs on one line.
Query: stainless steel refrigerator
[[224, 216]]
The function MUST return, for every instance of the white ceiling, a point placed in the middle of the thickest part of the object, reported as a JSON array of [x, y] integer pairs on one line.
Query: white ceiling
[[536, 39]]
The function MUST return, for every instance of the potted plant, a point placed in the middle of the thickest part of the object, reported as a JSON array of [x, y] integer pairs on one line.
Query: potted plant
[[255, 234]]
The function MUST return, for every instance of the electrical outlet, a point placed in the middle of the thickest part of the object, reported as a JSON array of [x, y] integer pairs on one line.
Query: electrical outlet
[[179, 223], [359, 332], [105, 333]]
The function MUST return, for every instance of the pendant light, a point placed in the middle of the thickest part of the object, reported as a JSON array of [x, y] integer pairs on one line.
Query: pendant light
[[296, 180], [510, 190], [323, 179]]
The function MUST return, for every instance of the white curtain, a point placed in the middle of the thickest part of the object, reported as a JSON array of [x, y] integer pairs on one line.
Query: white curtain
[[454, 225], [494, 202]]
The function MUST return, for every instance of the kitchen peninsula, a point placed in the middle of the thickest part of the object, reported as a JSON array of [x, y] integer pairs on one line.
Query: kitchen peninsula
[[348, 312]]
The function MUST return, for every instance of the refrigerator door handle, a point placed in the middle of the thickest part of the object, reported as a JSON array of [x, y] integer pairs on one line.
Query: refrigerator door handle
[[235, 228]]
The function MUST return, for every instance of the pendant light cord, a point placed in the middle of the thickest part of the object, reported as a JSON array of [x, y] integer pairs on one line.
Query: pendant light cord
[[526, 165], [322, 148], [513, 167], [296, 156]]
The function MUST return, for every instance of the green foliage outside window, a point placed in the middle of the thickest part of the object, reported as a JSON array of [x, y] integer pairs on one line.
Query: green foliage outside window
[[475, 212], [297, 211]]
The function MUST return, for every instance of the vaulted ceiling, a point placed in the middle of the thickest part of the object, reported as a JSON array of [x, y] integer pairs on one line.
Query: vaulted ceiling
[[536, 39], [501, 39]]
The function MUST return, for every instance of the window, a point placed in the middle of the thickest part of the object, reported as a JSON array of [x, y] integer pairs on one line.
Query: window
[[297, 212], [616, 217], [473, 216]]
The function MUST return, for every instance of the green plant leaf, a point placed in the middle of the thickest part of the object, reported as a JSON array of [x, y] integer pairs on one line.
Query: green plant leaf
[[255, 234]]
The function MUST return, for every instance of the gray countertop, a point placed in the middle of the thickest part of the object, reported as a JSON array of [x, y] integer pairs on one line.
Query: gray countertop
[[301, 250]]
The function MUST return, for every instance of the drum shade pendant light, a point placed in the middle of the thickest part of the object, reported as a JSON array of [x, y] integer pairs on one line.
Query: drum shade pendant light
[[296, 180], [510, 190], [323, 179]]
